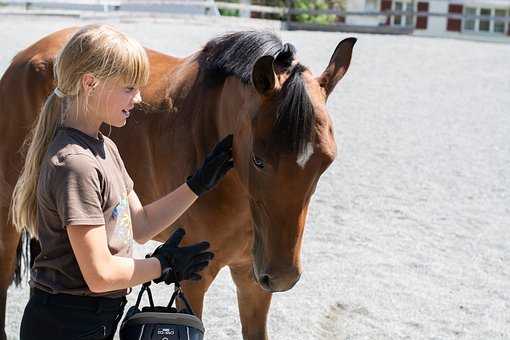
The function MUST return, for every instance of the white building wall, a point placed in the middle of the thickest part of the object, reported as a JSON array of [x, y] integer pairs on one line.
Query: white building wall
[[361, 6], [437, 25], [244, 13]]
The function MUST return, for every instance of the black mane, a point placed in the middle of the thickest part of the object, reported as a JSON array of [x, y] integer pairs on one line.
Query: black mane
[[235, 54]]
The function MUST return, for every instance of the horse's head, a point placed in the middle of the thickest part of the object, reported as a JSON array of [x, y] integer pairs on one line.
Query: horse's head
[[292, 144], [283, 140]]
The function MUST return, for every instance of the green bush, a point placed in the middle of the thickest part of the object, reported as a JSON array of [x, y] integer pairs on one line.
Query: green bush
[[314, 5], [229, 12], [298, 4]]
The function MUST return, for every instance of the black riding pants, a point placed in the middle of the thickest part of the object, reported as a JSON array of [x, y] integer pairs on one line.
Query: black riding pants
[[69, 317]]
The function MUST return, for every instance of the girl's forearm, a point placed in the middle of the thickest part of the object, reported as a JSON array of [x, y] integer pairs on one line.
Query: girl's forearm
[[122, 272], [163, 212]]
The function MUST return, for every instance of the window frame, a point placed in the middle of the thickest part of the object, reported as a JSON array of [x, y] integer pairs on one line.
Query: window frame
[[488, 21], [474, 21], [403, 19], [496, 22]]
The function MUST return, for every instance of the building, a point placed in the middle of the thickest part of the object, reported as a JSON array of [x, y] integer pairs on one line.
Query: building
[[496, 24]]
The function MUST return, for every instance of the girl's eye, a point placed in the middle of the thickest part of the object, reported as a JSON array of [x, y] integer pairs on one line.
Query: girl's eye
[[259, 163], [129, 89]]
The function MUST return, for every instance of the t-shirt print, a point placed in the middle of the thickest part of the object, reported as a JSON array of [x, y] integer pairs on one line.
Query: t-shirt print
[[122, 233]]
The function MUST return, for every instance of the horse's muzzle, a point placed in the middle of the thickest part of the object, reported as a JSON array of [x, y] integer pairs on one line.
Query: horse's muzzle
[[280, 282]]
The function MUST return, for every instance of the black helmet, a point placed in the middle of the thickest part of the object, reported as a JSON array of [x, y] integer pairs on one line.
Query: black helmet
[[161, 322]]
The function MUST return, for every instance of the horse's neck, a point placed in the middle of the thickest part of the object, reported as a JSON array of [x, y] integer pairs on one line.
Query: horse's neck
[[190, 118], [193, 108], [205, 113], [176, 126]]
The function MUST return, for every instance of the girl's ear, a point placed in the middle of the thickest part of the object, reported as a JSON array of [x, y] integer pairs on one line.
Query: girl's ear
[[89, 82]]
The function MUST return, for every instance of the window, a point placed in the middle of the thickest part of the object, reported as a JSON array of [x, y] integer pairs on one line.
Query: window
[[499, 26], [406, 8], [469, 24], [398, 19], [409, 17], [484, 25], [371, 5]]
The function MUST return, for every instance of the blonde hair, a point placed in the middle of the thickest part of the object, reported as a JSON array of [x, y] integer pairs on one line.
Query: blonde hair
[[100, 50]]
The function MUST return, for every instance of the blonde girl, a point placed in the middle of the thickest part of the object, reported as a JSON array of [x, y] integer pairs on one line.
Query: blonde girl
[[75, 195]]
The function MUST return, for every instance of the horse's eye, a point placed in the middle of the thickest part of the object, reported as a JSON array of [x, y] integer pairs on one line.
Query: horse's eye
[[259, 163]]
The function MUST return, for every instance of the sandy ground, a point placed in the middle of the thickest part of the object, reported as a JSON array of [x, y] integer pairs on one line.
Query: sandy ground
[[408, 233]]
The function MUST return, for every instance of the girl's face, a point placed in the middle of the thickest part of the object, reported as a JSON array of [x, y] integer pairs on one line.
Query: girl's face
[[113, 101]]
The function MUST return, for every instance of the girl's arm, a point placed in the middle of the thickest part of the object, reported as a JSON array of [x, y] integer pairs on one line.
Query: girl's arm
[[103, 271], [150, 220]]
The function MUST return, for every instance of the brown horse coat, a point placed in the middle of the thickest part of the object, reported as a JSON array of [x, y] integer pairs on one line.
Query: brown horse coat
[[283, 141]]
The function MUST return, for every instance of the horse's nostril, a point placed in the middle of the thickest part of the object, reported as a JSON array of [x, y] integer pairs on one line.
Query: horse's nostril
[[265, 281]]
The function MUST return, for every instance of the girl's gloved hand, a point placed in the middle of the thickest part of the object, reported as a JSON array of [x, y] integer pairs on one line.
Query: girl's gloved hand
[[181, 263], [215, 166]]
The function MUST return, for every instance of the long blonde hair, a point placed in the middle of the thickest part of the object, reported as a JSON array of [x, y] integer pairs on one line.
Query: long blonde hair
[[100, 50]]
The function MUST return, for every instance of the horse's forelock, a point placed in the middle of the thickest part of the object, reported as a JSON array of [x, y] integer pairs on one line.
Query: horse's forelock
[[292, 128]]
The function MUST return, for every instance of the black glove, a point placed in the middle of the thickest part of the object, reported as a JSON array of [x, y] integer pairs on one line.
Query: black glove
[[215, 166], [181, 263]]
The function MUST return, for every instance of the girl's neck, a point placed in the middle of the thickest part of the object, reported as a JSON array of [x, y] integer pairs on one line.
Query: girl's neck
[[83, 121]]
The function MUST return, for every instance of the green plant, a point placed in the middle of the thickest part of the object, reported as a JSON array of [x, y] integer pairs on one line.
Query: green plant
[[229, 12], [317, 5]]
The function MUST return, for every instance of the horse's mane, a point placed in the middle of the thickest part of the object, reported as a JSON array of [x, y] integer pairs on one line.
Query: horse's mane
[[235, 54]]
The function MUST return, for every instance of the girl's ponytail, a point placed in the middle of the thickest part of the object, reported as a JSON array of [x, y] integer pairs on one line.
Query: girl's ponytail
[[23, 207]]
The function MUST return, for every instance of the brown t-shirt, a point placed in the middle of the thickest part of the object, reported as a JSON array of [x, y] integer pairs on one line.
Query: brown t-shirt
[[82, 181]]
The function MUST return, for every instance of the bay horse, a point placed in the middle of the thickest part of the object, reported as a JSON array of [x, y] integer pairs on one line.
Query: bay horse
[[247, 83]]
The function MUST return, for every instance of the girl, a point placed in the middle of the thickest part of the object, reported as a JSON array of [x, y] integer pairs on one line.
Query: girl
[[75, 195]]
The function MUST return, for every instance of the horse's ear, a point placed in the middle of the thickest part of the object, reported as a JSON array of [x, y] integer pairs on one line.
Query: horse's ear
[[338, 65], [263, 75]]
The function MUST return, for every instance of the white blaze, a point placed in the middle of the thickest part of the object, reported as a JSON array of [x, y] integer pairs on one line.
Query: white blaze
[[303, 158]]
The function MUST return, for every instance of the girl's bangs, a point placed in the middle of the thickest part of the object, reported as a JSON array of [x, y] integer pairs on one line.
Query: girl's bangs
[[134, 68]]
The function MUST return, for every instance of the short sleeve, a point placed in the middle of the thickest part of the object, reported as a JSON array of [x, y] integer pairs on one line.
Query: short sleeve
[[77, 191], [127, 179], [125, 176]]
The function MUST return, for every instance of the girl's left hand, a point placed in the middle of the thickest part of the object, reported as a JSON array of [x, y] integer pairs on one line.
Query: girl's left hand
[[181, 263]]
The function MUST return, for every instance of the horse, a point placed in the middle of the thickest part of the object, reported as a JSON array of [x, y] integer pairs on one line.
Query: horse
[[249, 84]]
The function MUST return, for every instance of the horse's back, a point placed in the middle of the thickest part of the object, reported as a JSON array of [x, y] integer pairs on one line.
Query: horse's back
[[23, 87], [29, 77]]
